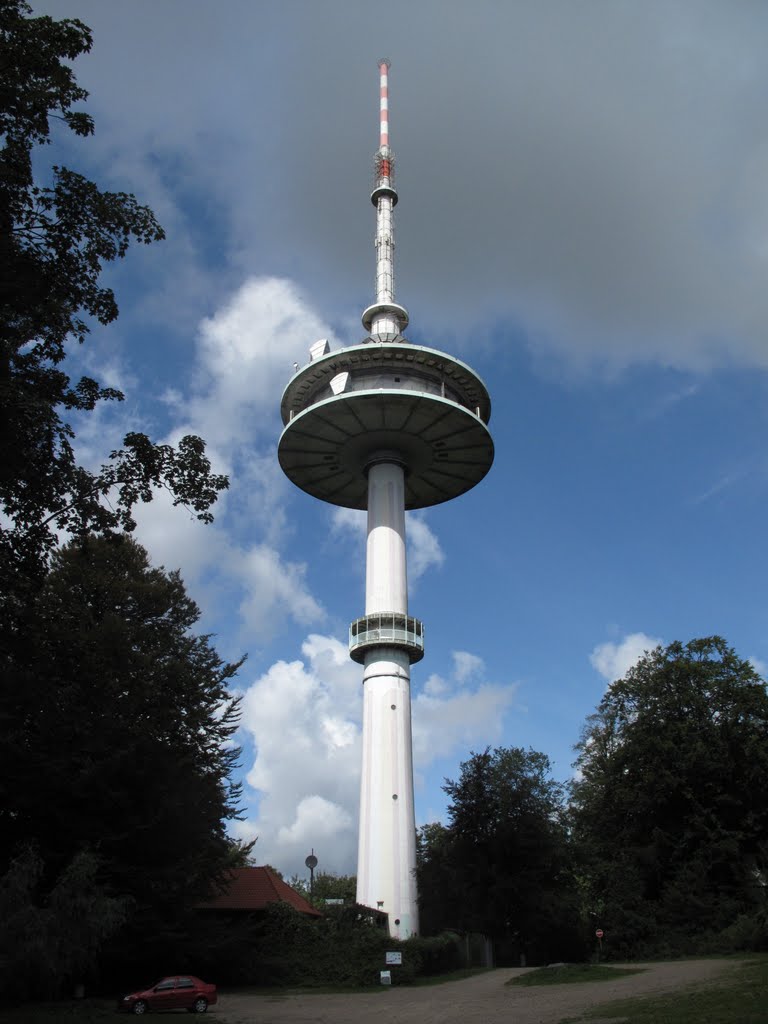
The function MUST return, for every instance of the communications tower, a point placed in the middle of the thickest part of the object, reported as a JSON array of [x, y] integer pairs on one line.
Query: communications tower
[[386, 426]]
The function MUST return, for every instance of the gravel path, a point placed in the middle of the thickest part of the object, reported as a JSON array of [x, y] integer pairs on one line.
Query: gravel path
[[482, 999]]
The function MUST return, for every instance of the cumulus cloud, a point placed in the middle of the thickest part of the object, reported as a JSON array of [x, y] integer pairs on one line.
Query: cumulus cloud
[[466, 665], [275, 589], [302, 719], [454, 713], [352, 520], [245, 357], [613, 660], [424, 551]]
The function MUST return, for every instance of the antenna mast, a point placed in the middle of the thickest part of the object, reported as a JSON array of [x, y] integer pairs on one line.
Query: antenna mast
[[385, 320]]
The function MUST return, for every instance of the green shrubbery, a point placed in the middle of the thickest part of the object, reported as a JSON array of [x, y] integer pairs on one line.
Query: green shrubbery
[[342, 949]]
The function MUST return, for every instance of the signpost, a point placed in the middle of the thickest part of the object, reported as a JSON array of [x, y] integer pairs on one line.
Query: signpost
[[599, 933], [392, 958]]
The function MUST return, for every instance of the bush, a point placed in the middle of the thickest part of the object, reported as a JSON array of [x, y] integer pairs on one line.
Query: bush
[[342, 949]]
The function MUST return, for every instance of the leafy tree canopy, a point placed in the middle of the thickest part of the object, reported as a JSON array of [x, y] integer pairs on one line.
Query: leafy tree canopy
[[117, 736], [55, 238], [501, 866], [326, 886], [120, 725], [671, 805]]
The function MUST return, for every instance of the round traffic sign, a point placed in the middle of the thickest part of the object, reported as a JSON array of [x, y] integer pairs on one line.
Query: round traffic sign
[[599, 933]]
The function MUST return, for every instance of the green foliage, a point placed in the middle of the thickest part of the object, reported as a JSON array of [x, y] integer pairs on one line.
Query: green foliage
[[52, 939], [503, 866], [55, 237], [117, 736], [327, 886], [343, 949], [567, 974], [671, 808]]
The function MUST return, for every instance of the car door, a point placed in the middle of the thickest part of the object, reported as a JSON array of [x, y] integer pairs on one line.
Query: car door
[[185, 992], [163, 995]]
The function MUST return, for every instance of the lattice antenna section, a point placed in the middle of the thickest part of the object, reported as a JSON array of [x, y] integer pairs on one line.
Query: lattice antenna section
[[385, 319]]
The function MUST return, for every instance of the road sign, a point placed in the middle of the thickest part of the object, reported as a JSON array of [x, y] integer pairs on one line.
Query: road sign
[[599, 933]]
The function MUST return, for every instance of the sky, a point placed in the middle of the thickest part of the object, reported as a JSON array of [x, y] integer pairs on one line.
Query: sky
[[583, 219]]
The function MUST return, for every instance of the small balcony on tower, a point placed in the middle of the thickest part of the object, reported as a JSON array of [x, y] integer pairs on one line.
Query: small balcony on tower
[[386, 629]]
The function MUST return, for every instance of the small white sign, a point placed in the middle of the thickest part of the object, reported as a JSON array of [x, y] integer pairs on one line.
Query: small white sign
[[394, 958], [386, 977]]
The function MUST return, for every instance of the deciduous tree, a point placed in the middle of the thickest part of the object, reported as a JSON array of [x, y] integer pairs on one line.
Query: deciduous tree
[[56, 232], [501, 865], [118, 732], [671, 805]]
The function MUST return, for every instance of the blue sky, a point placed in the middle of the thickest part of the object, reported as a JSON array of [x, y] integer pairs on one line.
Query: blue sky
[[583, 219]]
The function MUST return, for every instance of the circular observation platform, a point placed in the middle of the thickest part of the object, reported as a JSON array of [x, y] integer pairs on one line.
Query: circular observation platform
[[386, 629], [395, 401]]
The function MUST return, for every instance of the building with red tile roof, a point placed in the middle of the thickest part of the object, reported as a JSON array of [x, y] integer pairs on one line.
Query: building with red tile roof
[[253, 889]]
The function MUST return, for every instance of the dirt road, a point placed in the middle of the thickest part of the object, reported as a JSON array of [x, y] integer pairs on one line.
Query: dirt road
[[483, 999]]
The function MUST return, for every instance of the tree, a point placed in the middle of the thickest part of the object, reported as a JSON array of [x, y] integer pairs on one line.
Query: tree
[[55, 236], [118, 731], [51, 939], [502, 865], [326, 886], [671, 806]]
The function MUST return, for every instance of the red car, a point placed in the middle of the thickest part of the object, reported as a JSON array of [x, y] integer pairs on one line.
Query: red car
[[182, 992]]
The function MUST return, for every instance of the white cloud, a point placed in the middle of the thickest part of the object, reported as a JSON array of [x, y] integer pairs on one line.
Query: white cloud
[[613, 660], [317, 819], [424, 551], [349, 519], [760, 666], [275, 589], [466, 665], [245, 357], [455, 713], [303, 719]]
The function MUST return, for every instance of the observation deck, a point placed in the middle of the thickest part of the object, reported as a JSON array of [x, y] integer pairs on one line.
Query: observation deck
[[386, 629], [397, 402]]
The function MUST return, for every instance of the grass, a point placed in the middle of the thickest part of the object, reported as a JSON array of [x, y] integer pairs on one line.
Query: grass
[[739, 998], [565, 974]]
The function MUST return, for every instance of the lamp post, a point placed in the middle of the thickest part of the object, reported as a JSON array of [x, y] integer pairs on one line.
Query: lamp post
[[311, 863]]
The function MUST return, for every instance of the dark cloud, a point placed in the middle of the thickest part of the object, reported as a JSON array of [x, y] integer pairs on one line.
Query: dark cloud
[[594, 173]]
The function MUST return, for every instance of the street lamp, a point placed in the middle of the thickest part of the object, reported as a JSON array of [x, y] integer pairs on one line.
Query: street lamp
[[311, 863]]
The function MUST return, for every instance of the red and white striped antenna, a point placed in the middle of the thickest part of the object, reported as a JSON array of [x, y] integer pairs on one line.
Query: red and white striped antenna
[[385, 320], [384, 66]]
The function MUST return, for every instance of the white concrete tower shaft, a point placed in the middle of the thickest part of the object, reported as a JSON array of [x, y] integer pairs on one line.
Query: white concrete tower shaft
[[386, 868]]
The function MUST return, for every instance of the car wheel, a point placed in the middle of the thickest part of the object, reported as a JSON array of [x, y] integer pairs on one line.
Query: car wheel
[[200, 1005], [139, 1006]]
